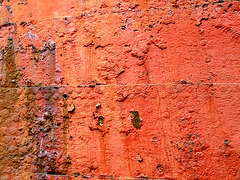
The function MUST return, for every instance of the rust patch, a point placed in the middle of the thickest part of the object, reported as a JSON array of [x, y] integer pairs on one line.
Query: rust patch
[[10, 73], [49, 119], [136, 121], [65, 121]]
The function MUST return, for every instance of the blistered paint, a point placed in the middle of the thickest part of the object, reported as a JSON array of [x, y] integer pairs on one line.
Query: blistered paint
[[119, 89]]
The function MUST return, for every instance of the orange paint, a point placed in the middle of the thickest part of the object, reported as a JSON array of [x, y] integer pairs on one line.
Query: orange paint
[[119, 89]]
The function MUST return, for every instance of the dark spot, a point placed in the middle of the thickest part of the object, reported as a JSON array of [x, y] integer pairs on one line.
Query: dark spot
[[99, 46], [76, 174], [29, 83], [123, 27], [150, 26], [226, 142], [136, 120], [133, 6], [120, 72], [92, 168], [65, 96], [205, 5], [71, 137], [98, 105], [140, 158], [95, 117], [23, 23], [160, 168], [220, 1], [184, 82]]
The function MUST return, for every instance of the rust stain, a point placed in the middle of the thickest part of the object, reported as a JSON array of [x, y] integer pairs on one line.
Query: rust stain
[[9, 68]]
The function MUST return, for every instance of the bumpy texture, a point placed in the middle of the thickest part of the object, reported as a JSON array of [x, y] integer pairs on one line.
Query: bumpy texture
[[93, 89]]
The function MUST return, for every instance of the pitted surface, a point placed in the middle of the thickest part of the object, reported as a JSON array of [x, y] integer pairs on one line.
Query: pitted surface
[[119, 89]]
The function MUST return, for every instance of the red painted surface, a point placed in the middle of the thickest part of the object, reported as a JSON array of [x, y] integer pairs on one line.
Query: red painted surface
[[119, 89]]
